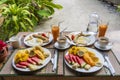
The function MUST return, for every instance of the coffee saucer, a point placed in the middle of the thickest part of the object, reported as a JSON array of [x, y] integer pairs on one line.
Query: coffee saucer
[[56, 45], [108, 47]]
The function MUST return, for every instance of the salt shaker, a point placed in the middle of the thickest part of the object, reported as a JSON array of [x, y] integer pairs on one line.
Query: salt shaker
[[93, 23]]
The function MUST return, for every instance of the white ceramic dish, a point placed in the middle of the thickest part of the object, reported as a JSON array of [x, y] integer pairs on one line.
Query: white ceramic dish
[[92, 69], [108, 47], [56, 45], [46, 61], [33, 41], [91, 38]]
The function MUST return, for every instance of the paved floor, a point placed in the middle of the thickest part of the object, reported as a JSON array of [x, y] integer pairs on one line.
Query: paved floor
[[75, 14]]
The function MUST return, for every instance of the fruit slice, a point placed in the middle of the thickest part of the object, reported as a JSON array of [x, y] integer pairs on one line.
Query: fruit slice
[[37, 60], [83, 63], [30, 61], [74, 58], [32, 67], [80, 61], [20, 66], [87, 67], [67, 59], [24, 63], [80, 53], [39, 54], [71, 59]]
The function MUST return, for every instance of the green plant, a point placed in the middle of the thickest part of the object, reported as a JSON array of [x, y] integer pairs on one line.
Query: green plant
[[118, 8], [23, 15], [16, 19]]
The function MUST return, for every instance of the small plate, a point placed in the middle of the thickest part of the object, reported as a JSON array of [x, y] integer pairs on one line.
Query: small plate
[[90, 39], [56, 45], [108, 47]]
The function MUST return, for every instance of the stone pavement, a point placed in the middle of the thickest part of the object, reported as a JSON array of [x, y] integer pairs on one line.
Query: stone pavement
[[75, 14]]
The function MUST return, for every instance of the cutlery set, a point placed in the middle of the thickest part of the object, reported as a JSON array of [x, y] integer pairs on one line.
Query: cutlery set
[[108, 64], [54, 60]]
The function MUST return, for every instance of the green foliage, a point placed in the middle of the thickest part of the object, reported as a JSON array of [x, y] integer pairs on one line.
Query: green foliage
[[118, 8], [16, 21], [23, 15]]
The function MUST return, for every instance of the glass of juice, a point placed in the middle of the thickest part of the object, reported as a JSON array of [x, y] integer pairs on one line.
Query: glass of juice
[[55, 32], [102, 30]]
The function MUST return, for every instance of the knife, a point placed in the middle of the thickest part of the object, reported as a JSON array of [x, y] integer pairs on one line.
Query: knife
[[109, 65], [54, 60]]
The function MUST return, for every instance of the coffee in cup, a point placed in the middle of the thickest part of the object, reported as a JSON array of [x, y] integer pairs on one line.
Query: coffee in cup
[[14, 42], [61, 42], [103, 42]]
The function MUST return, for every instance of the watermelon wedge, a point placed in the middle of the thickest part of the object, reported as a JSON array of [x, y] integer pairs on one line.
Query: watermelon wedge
[[24, 63], [29, 60], [67, 59], [83, 63], [71, 59], [20, 66], [80, 61], [37, 60]]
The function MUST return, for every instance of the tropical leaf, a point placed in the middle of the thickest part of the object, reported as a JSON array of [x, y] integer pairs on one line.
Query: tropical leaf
[[44, 13], [3, 1], [53, 5], [15, 19], [24, 28], [51, 9], [29, 21]]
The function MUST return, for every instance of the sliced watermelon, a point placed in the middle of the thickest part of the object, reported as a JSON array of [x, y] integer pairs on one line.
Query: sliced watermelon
[[20, 66], [37, 60], [24, 63], [31, 61], [74, 58], [71, 59], [80, 61], [67, 59]]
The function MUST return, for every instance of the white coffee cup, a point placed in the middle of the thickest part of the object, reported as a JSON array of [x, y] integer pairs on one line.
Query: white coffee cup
[[103, 41], [14, 41], [62, 42]]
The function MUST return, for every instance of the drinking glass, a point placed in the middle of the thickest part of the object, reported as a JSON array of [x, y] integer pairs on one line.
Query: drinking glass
[[102, 29], [55, 32]]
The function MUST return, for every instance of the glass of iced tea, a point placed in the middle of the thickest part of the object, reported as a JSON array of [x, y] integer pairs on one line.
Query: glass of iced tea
[[102, 30], [55, 32]]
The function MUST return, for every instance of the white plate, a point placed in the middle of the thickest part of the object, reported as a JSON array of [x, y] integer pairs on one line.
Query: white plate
[[108, 47], [46, 61], [33, 41], [91, 38], [57, 46], [92, 69]]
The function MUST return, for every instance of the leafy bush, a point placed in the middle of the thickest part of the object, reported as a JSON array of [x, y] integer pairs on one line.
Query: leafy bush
[[118, 8], [23, 15]]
